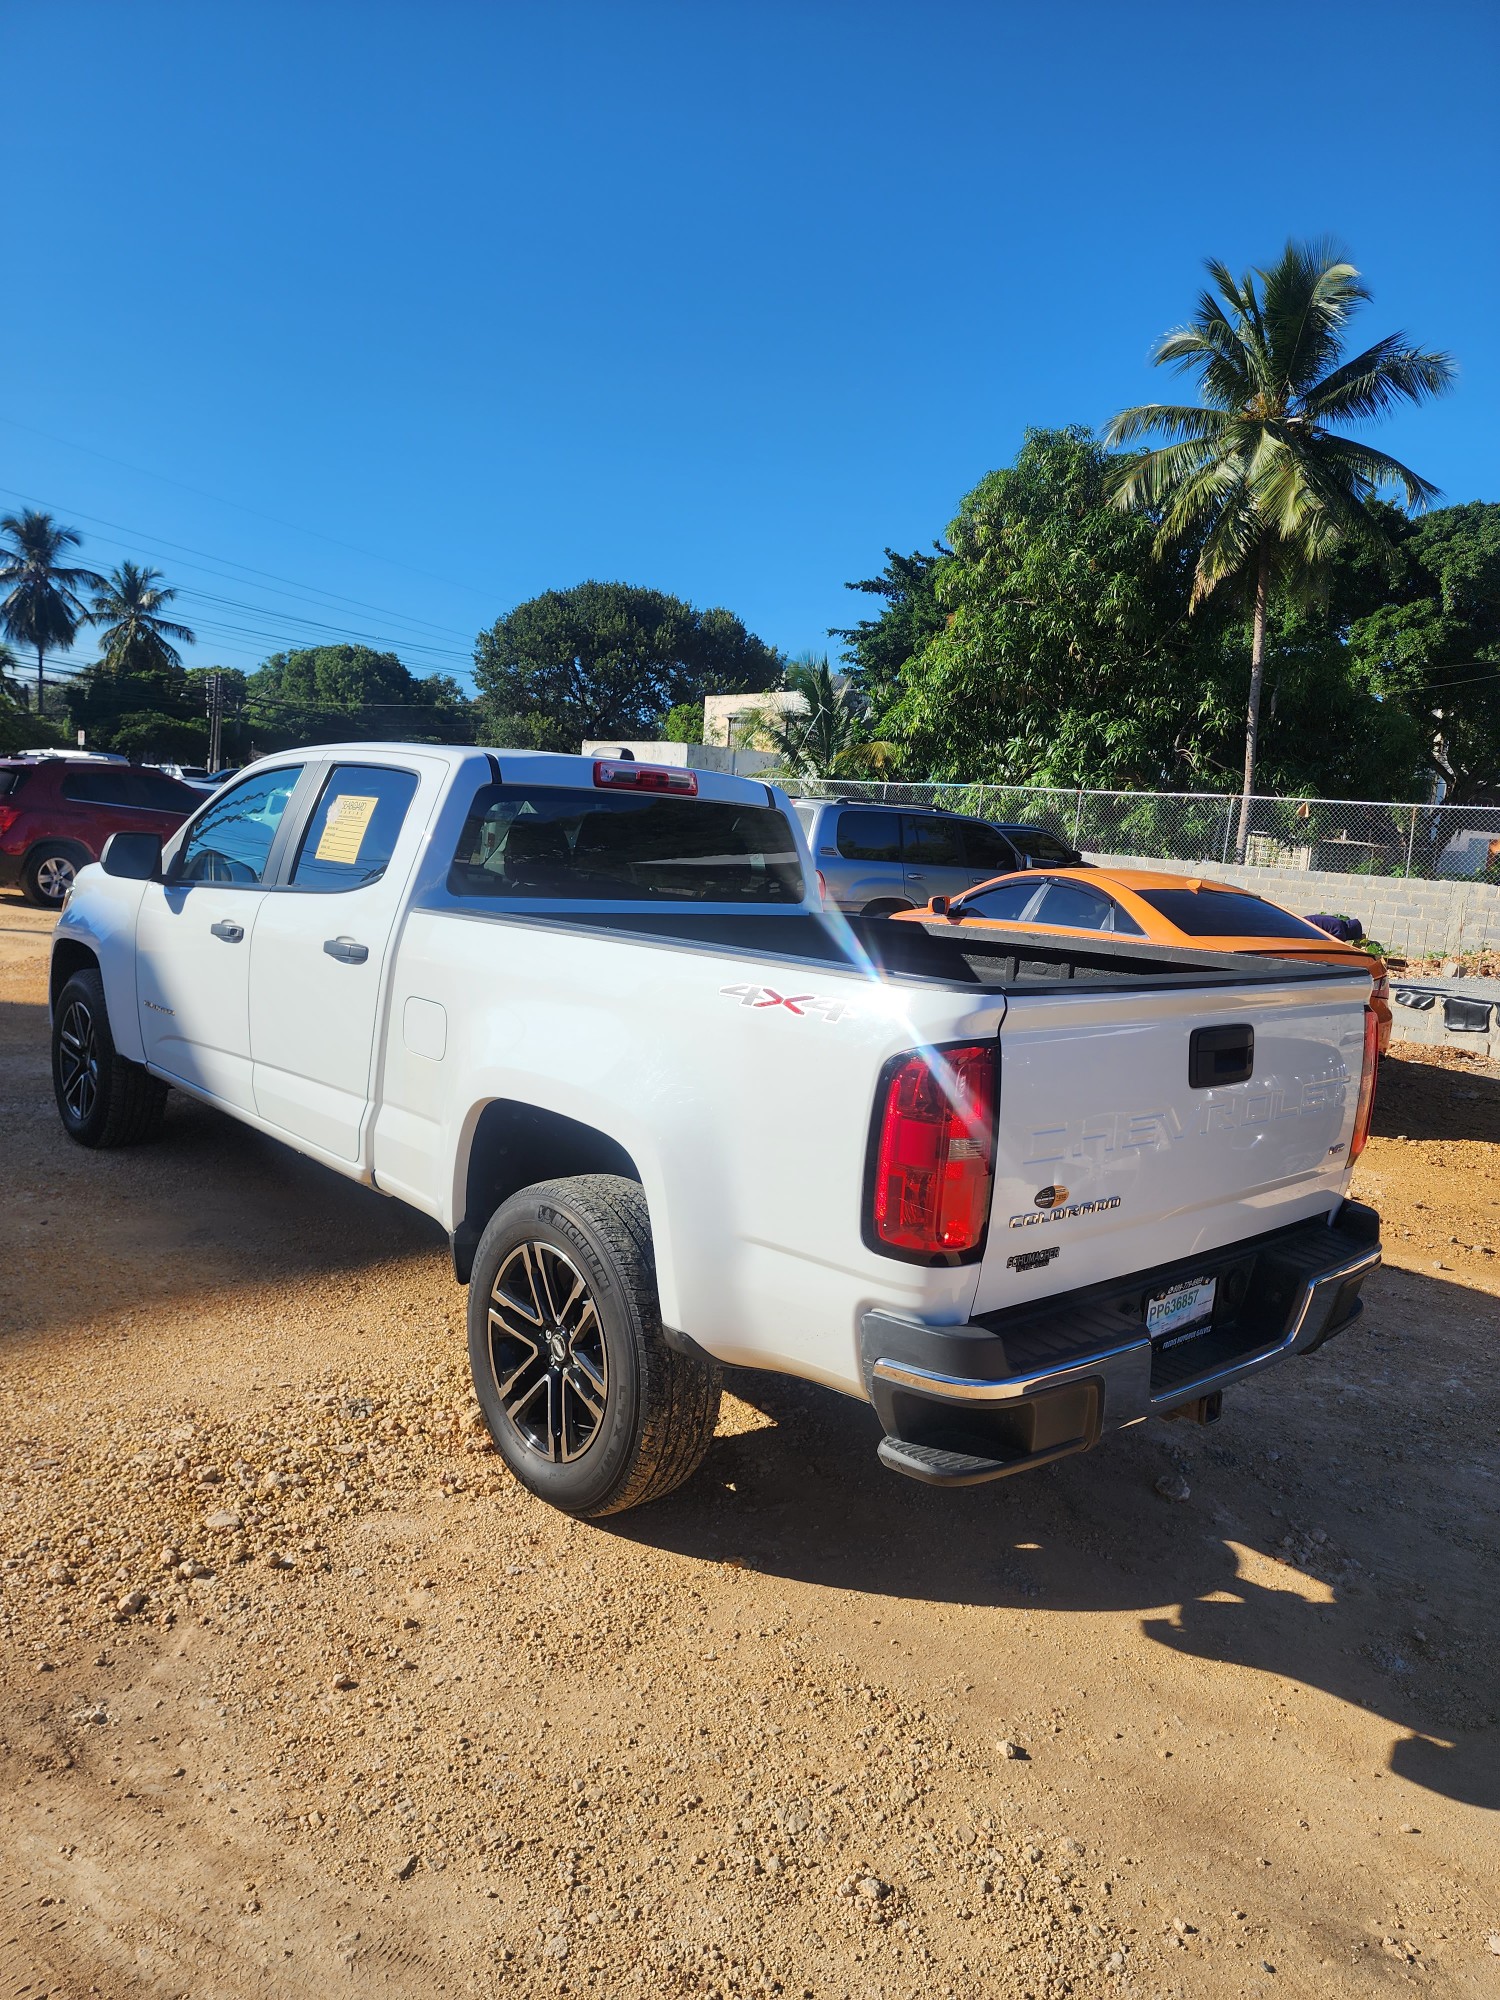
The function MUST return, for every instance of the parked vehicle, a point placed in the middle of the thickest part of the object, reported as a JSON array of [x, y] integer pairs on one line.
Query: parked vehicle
[[874, 860], [1180, 910], [591, 1016], [56, 813], [199, 776]]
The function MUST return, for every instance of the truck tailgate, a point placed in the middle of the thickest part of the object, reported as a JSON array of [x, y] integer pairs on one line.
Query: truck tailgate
[[1117, 1151]]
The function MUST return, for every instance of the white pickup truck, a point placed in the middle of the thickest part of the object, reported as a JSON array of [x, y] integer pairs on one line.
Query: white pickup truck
[[675, 1117]]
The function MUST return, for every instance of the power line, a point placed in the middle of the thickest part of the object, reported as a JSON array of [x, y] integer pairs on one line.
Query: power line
[[295, 527], [314, 592]]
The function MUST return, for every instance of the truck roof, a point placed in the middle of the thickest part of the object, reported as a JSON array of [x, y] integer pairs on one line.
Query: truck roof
[[548, 767]]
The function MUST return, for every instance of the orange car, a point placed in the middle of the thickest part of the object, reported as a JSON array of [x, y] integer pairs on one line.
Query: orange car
[[1169, 909]]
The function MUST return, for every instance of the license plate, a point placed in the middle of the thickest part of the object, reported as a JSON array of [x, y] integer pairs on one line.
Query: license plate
[[1180, 1306]]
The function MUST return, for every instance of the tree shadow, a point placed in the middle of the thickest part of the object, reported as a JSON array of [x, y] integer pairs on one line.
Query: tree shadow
[[1387, 1611], [1417, 1100]]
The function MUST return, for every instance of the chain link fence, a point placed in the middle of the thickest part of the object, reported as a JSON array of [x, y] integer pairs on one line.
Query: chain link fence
[[1430, 843]]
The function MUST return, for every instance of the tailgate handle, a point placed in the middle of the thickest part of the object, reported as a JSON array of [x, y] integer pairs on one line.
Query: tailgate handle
[[1221, 1055]]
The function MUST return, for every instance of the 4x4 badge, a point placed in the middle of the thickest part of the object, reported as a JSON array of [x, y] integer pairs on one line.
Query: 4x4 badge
[[799, 1004]]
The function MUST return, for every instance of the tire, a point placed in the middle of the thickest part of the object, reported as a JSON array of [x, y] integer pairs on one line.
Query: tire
[[604, 1415], [48, 874], [103, 1099], [885, 909]]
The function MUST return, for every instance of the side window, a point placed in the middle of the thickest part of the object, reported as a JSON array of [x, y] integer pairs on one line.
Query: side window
[[353, 831], [988, 849], [231, 842], [1044, 849], [937, 843], [159, 793], [99, 785], [1070, 906], [1007, 904], [869, 836]]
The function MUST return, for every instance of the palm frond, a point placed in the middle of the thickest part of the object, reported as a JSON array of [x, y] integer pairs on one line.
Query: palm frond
[[1309, 294], [1376, 470], [1373, 383], [1175, 420]]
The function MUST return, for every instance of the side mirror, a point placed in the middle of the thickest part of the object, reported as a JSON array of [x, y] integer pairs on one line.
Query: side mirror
[[939, 906], [135, 857]]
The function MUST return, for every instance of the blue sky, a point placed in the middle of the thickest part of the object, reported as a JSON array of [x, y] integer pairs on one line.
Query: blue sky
[[373, 320]]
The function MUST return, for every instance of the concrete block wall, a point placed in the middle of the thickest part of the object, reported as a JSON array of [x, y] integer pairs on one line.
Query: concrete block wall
[[1415, 919]]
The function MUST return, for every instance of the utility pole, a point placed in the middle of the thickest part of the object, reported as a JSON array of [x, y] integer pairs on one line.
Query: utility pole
[[215, 719]]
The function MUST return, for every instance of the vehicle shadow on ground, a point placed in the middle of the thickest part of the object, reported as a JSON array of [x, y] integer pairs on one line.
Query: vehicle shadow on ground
[[211, 1203], [1423, 1100], [1222, 1576]]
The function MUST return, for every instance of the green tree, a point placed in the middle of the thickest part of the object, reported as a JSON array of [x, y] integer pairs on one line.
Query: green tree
[[825, 733], [1432, 648], [136, 638], [1256, 475], [877, 649], [1065, 656], [332, 694], [684, 723], [43, 605], [609, 659]]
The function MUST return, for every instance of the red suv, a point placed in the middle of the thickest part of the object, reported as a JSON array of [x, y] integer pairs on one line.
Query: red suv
[[57, 812]]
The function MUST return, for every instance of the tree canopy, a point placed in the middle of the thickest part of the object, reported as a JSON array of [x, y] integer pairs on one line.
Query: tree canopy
[[609, 659], [332, 694], [1430, 645], [1068, 656]]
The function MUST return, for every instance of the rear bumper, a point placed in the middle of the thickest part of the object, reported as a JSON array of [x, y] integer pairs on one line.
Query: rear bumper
[[1017, 1389]]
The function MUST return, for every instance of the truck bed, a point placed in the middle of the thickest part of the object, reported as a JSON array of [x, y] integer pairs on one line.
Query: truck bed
[[935, 953]]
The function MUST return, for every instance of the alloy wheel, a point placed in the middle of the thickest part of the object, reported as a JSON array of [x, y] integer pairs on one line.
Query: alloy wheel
[[54, 877], [78, 1061], [547, 1352]]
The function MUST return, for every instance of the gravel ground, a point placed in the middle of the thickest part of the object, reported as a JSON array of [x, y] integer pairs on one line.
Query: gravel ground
[[300, 1693]]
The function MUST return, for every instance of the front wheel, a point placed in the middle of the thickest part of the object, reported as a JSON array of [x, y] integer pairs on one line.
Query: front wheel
[[587, 1404], [103, 1098]]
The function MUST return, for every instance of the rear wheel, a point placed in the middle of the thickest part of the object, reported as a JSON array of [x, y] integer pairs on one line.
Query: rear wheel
[[586, 1402], [103, 1099], [49, 871]]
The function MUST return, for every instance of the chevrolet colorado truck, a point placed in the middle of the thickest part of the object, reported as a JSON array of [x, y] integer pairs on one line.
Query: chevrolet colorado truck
[[676, 1117]]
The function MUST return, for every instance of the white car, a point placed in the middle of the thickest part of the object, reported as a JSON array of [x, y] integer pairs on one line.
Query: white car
[[590, 1015]]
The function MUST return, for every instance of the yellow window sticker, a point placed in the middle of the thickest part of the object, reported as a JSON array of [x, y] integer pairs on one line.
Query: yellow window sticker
[[344, 833]]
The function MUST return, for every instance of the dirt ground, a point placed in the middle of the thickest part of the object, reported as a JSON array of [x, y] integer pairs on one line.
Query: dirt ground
[[299, 1694]]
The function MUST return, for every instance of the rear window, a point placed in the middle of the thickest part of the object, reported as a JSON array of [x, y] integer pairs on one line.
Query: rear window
[[10, 781], [595, 846], [1213, 913]]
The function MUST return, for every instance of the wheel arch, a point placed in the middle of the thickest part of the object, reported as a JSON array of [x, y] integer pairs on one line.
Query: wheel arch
[[512, 1146], [68, 957]]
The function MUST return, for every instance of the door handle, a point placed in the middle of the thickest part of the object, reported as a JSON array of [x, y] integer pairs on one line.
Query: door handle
[[346, 951], [231, 933]]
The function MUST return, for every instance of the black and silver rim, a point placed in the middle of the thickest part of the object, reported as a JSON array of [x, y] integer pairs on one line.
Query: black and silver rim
[[78, 1061], [547, 1353], [54, 877]]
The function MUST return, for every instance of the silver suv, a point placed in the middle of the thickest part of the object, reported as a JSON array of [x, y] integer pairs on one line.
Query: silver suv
[[874, 860]]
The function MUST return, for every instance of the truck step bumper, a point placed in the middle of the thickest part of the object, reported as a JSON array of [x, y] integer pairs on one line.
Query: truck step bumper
[[964, 1404]]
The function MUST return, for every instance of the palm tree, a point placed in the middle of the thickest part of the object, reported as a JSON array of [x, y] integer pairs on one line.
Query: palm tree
[[823, 736], [43, 607], [1257, 472], [136, 638]]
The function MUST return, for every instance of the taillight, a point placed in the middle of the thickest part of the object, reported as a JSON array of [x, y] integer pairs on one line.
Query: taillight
[[934, 1166], [621, 774], [8, 817], [1364, 1110]]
